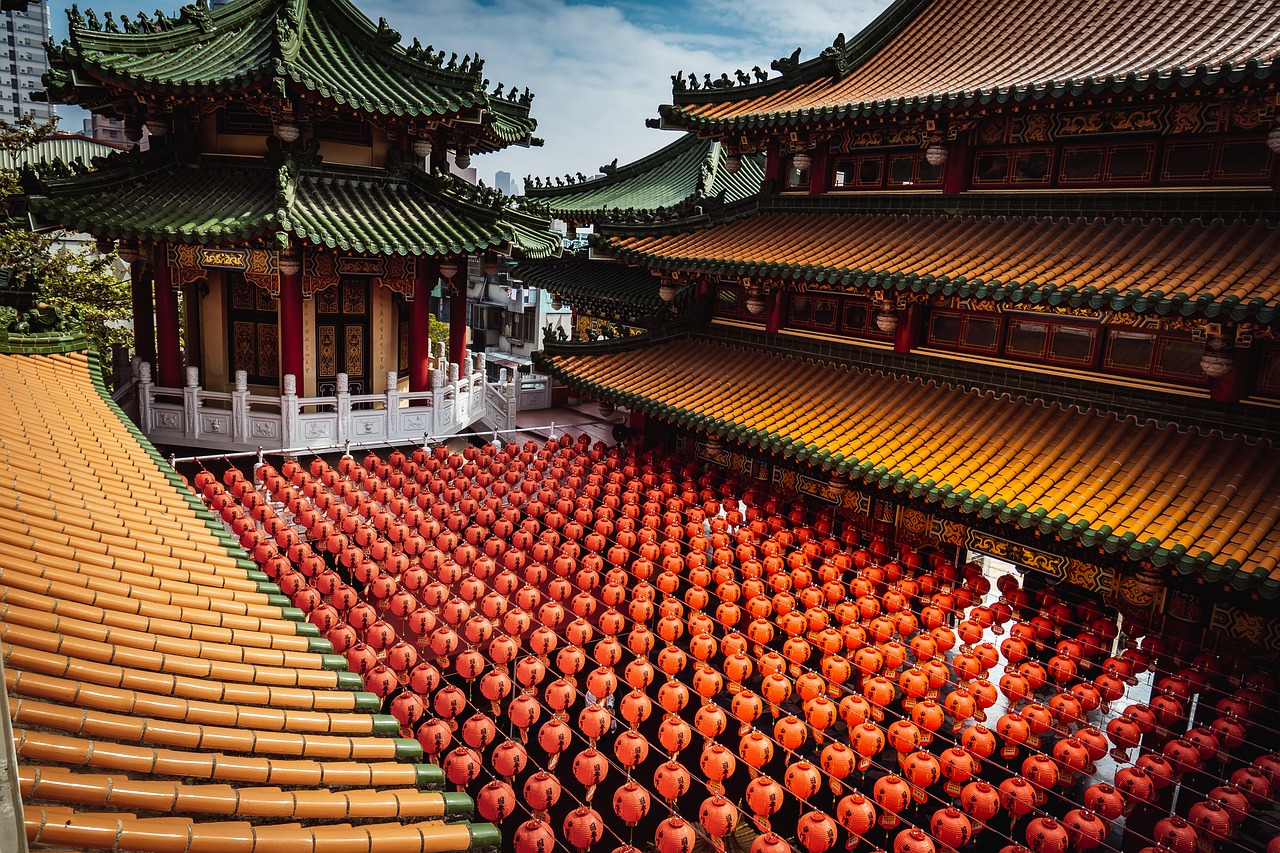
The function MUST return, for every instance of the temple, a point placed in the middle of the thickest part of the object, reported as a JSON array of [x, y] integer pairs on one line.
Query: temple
[[944, 516], [294, 213]]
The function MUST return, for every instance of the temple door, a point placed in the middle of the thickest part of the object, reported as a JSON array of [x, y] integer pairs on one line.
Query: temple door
[[342, 336]]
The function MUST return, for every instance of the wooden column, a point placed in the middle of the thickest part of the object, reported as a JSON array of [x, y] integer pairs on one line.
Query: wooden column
[[775, 311], [420, 325], [144, 312], [458, 318], [819, 174], [907, 335], [955, 174], [168, 336], [290, 321]]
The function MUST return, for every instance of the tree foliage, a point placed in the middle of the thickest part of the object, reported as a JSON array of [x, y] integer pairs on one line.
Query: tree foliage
[[49, 287]]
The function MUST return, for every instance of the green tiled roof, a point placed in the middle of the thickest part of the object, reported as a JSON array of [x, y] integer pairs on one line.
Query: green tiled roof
[[221, 200], [324, 47], [600, 288], [684, 171], [67, 147]]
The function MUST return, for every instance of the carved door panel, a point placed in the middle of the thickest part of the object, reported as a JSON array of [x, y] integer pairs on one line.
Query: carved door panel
[[342, 336]]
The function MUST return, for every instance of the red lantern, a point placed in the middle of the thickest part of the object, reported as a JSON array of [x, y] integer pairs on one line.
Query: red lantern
[[892, 794], [980, 801], [534, 836], [951, 827], [583, 827], [1085, 829], [816, 832], [541, 791], [856, 814], [675, 835], [718, 816], [631, 803], [496, 801], [913, 841], [1046, 835], [671, 780]]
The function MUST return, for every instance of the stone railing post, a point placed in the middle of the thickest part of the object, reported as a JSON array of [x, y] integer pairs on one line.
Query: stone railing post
[[240, 407], [343, 392], [191, 402], [145, 396], [437, 399], [393, 403], [289, 411]]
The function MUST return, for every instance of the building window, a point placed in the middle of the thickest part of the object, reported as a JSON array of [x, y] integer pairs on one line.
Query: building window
[[964, 331], [1269, 370], [833, 314], [1060, 343], [1160, 355], [523, 325], [895, 169], [731, 303]]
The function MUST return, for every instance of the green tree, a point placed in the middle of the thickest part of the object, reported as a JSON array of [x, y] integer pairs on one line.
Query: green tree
[[49, 287]]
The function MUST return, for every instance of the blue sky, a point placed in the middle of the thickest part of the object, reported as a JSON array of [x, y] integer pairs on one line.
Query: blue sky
[[598, 70]]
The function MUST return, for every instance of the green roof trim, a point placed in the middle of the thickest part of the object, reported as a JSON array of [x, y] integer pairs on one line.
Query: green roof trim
[[670, 178], [601, 288], [323, 47], [154, 196], [66, 147]]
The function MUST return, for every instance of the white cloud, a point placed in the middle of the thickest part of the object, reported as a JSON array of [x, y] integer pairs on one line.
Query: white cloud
[[599, 71]]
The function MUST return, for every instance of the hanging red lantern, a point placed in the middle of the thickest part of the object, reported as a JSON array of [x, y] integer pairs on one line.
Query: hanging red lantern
[[816, 832], [631, 803], [671, 780], [913, 841], [856, 814], [980, 801], [1085, 829], [892, 794], [508, 759], [541, 791], [675, 835], [763, 796], [1017, 796], [462, 766], [1105, 800], [1175, 834], [802, 779], [718, 817], [534, 836], [583, 827], [496, 801], [951, 828], [1046, 835]]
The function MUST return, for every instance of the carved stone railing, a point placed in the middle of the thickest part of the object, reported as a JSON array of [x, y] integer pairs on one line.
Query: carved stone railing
[[237, 420]]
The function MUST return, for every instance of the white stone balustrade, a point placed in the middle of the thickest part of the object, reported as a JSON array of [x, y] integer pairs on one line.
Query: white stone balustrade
[[237, 420]]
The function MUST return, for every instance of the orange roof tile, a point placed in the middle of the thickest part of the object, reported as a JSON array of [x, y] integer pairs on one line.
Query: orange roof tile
[[964, 51], [1199, 503], [1215, 267], [163, 695]]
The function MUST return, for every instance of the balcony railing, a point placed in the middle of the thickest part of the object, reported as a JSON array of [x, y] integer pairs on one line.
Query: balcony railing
[[237, 420]]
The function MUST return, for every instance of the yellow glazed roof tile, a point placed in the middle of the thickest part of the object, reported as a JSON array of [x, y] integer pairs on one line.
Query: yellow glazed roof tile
[[156, 687], [1200, 503], [1211, 266]]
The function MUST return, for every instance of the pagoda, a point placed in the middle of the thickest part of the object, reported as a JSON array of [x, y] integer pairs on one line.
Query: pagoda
[[296, 208]]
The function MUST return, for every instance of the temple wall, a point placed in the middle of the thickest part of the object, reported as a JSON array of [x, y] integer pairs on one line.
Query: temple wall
[[213, 333], [308, 388]]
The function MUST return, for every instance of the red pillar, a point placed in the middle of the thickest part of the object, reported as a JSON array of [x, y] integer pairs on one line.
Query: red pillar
[[955, 173], [907, 335], [290, 320], [818, 171], [144, 313], [168, 335], [775, 311], [420, 326], [458, 320]]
